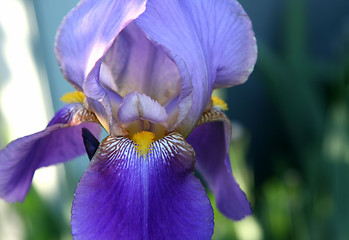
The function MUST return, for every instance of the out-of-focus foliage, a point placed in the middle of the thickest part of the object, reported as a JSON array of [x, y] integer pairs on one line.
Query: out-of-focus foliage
[[302, 171]]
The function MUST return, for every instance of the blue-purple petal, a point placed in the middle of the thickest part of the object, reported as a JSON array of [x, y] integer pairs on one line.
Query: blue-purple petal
[[124, 196], [209, 141], [59, 142]]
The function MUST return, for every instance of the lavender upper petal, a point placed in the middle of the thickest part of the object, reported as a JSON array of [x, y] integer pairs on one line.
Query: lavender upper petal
[[83, 38], [235, 48], [211, 42], [209, 141], [87, 31], [136, 63], [124, 196], [59, 142]]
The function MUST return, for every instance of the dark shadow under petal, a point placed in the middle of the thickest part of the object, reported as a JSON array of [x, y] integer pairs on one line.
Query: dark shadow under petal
[[90, 141]]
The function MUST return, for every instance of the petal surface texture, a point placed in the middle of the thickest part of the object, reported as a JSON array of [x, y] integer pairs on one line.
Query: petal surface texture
[[124, 196], [59, 142], [211, 144], [212, 43]]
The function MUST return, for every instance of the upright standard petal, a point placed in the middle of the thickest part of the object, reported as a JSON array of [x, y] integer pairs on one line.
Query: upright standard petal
[[84, 37], [123, 195], [87, 31], [211, 42], [135, 62], [59, 142], [210, 141]]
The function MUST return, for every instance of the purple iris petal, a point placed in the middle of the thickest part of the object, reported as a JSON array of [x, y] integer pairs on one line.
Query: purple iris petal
[[136, 63], [59, 142], [209, 141], [82, 40], [211, 42], [88, 30], [124, 196]]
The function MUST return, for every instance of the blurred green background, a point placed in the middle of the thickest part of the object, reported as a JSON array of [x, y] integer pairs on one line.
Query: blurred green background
[[290, 147]]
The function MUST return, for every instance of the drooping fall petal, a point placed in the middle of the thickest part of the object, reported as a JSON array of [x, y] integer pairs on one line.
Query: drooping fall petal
[[59, 142], [210, 141], [123, 195]]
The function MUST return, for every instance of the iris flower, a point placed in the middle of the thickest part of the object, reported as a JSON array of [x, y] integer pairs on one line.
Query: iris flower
[[145, 71]]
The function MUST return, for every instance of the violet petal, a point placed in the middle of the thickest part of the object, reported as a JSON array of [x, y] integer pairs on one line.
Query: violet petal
[[124, 196], [59, 142], [212, 154]]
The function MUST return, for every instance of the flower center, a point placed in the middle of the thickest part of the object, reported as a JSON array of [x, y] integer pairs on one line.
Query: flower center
[[142, 142]]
